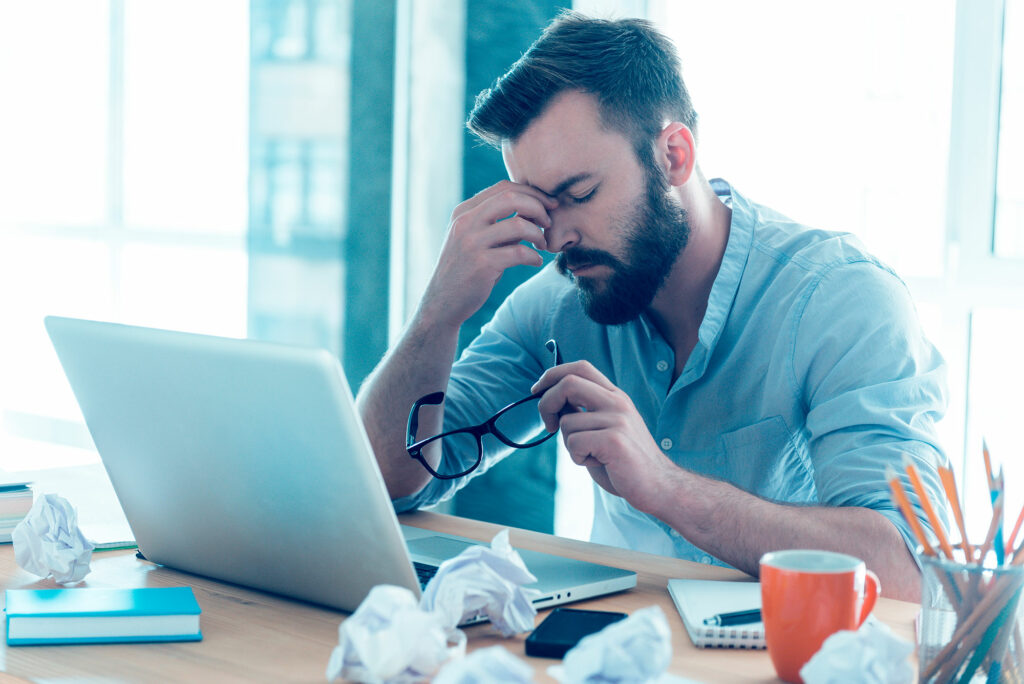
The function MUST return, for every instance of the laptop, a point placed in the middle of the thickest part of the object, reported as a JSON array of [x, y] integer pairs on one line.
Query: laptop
[[247, 462]]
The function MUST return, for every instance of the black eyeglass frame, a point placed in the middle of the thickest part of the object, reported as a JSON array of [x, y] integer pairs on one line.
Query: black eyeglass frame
[[489, 426]]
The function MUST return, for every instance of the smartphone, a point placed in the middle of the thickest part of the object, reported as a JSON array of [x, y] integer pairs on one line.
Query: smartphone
[[564, 627]]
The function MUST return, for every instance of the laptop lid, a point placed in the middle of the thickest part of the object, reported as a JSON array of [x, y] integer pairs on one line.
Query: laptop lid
[[247, 462]]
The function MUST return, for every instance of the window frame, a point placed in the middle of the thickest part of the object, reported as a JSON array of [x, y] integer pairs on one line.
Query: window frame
[[114, 234]]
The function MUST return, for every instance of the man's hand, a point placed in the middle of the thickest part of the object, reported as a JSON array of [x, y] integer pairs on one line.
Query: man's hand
[[603, 431], [484, 238]]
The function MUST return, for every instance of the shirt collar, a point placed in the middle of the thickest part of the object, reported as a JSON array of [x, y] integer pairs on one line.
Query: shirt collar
[[734, 261]]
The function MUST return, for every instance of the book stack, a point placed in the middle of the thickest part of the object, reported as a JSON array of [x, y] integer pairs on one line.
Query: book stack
[[15, 503]]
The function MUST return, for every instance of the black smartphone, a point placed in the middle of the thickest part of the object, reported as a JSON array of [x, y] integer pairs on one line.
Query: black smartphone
[[564, 627]]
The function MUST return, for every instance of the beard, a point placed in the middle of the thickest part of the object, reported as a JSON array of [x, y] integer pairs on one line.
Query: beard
[[656, 232]]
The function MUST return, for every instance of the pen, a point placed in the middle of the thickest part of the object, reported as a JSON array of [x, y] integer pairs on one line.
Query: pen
[[740, 617]]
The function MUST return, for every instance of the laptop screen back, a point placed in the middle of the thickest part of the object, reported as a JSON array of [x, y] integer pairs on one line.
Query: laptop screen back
[[239, 460]]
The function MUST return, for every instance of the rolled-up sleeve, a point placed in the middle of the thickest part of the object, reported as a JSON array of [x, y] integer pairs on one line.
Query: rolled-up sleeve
[[873, 388]]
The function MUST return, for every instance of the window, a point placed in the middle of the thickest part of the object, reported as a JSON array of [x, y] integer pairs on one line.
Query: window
[[893, 130], [906, 131], [986, 228], [827, 114], [1009, 236], [138, 184], [122, 190], [834, 118]]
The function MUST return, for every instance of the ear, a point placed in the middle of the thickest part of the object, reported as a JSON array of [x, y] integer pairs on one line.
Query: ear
[[676, 153]]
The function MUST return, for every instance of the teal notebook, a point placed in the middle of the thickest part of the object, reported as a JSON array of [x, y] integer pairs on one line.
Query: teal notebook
[[90, 616]]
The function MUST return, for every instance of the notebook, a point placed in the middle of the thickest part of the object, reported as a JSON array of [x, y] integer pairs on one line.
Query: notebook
[[247, 462], [699, 599], [85, 615]]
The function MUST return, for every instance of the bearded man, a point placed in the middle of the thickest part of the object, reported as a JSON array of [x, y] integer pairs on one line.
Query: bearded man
[[735, 383]]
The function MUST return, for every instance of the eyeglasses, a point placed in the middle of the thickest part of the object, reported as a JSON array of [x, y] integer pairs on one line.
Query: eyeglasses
[[511, 425]]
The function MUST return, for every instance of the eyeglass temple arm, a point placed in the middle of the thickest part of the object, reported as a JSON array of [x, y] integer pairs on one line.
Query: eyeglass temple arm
[[552, 347], [414, 415]]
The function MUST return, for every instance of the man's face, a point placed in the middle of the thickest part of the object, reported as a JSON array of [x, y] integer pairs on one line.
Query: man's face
[[652, 236], [616, 229]]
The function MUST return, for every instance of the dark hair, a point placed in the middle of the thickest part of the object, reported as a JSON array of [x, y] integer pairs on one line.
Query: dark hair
[[631, 68]]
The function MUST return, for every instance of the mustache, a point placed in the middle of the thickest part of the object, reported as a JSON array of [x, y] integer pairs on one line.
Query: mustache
[[578, 256]]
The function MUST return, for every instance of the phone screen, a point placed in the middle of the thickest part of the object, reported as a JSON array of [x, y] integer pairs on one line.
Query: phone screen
[[564, 627]]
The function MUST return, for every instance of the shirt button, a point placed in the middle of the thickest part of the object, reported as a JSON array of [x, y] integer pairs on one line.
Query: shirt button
[[706, 560], [663, 365], [666, 444]]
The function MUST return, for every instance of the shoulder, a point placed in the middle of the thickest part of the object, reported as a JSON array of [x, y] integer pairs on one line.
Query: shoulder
[[809, 259]]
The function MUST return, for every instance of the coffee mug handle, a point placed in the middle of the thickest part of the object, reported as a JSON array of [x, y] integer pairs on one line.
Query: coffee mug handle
[[872, 587]]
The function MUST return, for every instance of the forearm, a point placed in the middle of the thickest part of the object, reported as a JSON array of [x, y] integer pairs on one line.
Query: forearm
[[419, 364], [739, 528]]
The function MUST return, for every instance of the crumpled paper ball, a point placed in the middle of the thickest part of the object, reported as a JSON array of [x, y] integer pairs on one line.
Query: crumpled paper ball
[[493, 665], [637, 649], [391, 639], [487, 580], [48, 542], [869, 655]]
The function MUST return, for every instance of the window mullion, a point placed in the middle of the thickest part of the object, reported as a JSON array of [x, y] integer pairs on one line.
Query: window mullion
[[115, 149], [974, 129]]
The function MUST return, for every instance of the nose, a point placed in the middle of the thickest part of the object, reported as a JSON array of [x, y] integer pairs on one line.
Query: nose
[[562, 234]]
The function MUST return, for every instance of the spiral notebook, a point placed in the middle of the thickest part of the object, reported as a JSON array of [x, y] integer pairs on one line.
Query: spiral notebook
[[699, 599]]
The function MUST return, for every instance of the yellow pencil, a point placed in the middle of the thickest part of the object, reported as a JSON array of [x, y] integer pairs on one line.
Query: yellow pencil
[[926, 504], [949, 484], [988, 464], [903, 503]]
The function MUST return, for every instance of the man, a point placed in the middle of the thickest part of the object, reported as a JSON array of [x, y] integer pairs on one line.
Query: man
[[733, 382]]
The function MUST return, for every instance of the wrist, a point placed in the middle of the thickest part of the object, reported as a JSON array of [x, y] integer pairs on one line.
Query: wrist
[[435, 319], [685, 501]]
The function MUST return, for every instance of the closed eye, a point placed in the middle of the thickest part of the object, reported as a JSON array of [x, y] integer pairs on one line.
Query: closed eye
[[585, 198]]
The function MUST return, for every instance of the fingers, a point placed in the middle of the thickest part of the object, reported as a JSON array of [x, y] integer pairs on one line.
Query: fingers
[[581, 369], [508, 211], [584, 448], [578, 386], [512, 231], [489, 233], [505, 221], [515, 254], [592, 437], [590, 449], [512, 202], [508, 188]]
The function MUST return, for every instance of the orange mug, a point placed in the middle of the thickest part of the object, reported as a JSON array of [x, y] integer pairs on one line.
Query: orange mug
[[808, 595]]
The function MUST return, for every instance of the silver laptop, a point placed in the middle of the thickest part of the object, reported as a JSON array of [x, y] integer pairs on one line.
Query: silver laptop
[[247, 462]]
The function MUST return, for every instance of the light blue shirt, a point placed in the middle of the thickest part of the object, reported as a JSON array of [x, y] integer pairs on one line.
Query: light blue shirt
[[810, 374]]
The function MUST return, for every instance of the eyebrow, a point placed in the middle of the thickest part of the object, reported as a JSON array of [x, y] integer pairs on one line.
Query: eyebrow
[[566, 184]]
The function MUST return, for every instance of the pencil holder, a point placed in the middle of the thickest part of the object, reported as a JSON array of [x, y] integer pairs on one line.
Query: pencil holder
[[971, 620]]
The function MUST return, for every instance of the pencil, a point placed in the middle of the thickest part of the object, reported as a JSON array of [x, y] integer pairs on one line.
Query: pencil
[[903, 503], [988, 464], [949, 484], [926, 504], [997, 514], [981, 613], [1013, 535], [993, 490], [1018, 554], [998, 492]]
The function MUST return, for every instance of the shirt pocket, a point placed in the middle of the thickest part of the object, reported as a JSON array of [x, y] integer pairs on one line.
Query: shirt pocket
[[764, 459]]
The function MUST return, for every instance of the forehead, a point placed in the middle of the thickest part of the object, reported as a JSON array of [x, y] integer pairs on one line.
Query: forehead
[[567, 139]]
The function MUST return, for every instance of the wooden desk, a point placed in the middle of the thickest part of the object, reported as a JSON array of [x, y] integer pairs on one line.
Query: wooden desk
[[254, 636]]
